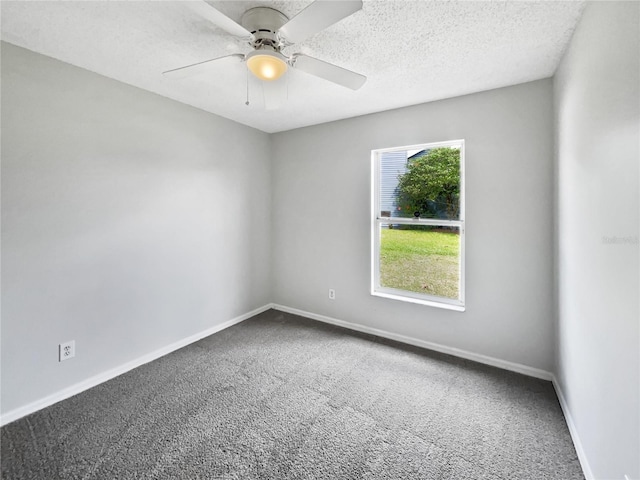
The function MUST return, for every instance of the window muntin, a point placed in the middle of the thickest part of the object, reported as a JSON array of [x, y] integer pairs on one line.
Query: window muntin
[[418, 228]]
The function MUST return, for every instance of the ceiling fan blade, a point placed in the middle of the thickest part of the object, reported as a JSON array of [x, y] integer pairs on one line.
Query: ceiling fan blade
[[218, 18], [316, 17], [328, 71], [200, 67]]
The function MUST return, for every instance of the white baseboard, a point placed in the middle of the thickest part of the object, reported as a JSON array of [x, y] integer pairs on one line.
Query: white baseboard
[[582, 456], [114, 372], [476, 357]]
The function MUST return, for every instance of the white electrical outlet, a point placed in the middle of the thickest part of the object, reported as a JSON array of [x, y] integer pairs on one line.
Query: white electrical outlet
[[67, 350], [332, 294]]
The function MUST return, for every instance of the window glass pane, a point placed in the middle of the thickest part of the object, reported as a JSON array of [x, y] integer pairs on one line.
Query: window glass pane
[[421, 258], [423, 183]]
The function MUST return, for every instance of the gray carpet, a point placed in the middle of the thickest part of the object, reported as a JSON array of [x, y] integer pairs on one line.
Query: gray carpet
[[283, 397]]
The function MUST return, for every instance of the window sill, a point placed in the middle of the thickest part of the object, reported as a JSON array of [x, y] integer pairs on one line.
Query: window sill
[[420, 301]]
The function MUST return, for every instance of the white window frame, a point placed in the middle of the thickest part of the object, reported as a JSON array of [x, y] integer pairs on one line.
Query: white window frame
[[377, 220]]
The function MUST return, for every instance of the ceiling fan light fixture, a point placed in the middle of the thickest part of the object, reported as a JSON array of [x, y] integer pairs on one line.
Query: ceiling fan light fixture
[[267, 65]]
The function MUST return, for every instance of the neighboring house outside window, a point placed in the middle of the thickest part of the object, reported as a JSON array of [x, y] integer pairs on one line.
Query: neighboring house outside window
[[393, 164]]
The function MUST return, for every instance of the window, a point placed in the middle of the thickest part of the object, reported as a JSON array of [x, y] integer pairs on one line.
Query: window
[[418, 224]]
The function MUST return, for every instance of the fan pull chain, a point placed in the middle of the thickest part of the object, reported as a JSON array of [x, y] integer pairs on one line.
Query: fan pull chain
[[247, 102]]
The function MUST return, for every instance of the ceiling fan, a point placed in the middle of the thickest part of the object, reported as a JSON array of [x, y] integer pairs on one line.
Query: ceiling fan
[[268, 31]]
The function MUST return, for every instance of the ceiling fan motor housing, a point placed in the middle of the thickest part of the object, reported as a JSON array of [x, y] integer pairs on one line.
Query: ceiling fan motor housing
[[263, 23]]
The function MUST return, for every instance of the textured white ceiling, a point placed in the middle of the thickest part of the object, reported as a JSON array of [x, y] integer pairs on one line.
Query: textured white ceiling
[[411, 51]]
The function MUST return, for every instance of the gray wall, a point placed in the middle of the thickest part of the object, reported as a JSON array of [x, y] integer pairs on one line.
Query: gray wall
[[597, 104], [129, 222], [321, 221]]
